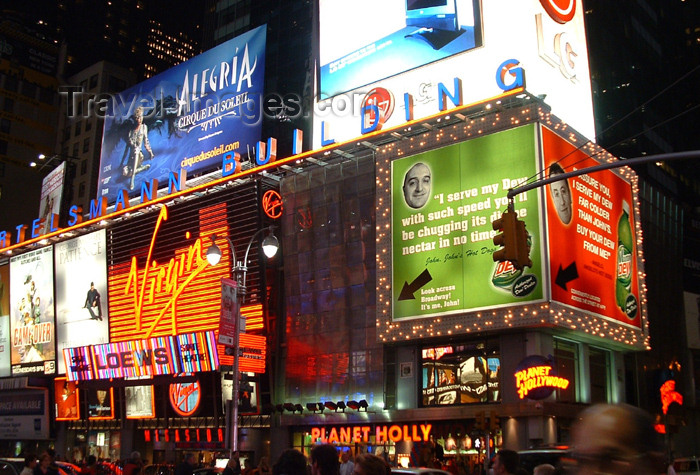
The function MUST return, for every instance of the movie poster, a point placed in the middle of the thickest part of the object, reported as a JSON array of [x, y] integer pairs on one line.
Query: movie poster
[[32, 313], [81, 293], [4, 321]]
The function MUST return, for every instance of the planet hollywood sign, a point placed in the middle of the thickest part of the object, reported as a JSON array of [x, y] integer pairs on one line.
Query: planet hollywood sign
[[535, 378], [382, 433]]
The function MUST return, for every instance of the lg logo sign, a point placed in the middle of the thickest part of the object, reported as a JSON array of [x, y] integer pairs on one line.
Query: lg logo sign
[[554, 45], [561, 11]]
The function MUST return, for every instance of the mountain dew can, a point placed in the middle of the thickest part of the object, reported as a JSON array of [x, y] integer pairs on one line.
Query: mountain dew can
[[625, 300]]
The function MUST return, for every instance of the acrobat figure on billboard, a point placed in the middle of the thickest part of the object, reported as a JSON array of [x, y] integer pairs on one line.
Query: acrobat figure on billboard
[[416, 185], [561, 194], [136, 140], [92, 303]]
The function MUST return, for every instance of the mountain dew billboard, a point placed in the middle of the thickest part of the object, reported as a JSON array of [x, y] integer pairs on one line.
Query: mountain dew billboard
[[443, 205]]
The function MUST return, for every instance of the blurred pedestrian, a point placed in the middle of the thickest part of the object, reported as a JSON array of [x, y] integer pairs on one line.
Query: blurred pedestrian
[[616, 439], [324, 460], [29, 465], [134, 464], [233, 467], [263, 467], [346, 465], [186, 467], [44, 465], [506, 462], [544, 469], [368, 464], [91, 467], [290, 462]]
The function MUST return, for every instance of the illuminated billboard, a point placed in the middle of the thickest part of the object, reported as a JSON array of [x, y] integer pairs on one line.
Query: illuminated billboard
[[460, 374], [67, 400], [101, 404], [443, 204], [593, 231], [140, 402], [191, 117], [32, 313], [399, 35], [411, 59], [82, 309], [51, 195], [5, 321]]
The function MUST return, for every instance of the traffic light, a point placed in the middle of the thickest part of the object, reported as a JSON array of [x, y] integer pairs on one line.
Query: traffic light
[[522, 243], [480, 423], [494, 424], [507, 224]]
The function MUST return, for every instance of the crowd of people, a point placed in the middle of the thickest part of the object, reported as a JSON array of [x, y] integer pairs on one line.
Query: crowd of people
[[608, 438]]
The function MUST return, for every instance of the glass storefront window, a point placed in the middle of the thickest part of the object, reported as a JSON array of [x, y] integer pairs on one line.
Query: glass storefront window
[[599, 367], [460, 374], [566, 358]]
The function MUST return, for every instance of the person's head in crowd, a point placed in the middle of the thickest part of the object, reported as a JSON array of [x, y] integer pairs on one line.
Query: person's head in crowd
[[618, 439], [290, 462], [561, 194], [324, 460], [368, 464], [544, 469], [416, 185], [30, 461], [506, 462], [190, 458]]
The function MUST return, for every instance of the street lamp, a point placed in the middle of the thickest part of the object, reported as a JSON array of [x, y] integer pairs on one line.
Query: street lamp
[[270, 244], [46, 161]]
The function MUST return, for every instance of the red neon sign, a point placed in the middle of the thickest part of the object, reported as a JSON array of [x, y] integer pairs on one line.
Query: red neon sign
[[669, 395], [272, 204], [185, 397]]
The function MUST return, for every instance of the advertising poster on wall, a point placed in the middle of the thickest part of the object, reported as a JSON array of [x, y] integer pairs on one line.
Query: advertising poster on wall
[[592, 238], [139, 402], [101, 403], [67, 400], [82, 309], [191, 117], [24, 415], [32, 313], [5, 321], [443, 205], [398, 57], [51, 195]]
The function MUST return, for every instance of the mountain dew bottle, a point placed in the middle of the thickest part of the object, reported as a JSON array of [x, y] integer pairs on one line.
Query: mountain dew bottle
[[625, 246]]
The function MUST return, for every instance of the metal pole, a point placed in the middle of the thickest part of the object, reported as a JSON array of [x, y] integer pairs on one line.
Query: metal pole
[[603, 166], [236, 382]]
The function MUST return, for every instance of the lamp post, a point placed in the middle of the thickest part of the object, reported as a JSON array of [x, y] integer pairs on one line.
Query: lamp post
[[270, 244]]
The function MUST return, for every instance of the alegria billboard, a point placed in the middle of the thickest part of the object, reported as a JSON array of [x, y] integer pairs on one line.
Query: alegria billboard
[[191, 117]]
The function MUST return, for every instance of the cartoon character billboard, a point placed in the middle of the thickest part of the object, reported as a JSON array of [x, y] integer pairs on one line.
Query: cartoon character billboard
[[443, 205], [191, 117]]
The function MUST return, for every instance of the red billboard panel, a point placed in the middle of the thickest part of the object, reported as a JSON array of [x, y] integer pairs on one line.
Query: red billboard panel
[[593, 233]]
